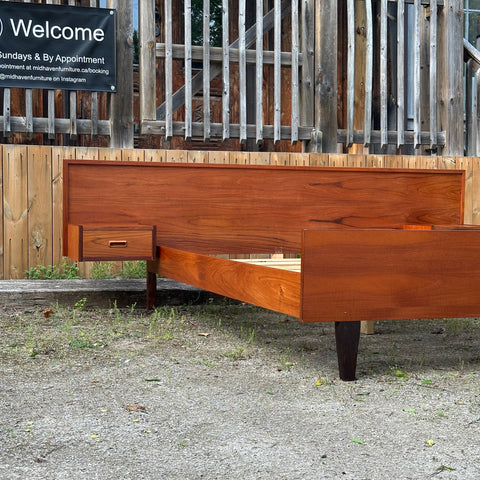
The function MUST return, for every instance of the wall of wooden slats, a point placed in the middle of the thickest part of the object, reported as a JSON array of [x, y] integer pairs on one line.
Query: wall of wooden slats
[[31, 189]]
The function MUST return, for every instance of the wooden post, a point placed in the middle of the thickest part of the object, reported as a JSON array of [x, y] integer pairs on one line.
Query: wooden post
[[326, 73], [307, 91], [121, 102], [147, 61], [450, 55]]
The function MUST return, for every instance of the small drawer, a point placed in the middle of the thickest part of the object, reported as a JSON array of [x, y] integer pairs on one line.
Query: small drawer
[[98, 243]]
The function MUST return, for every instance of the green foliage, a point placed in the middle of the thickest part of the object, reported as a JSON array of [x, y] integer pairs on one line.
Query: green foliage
[[130, 269], [101, 270], [215, 22], [135, 47], [80, 304], [133, 269], [64, 270]]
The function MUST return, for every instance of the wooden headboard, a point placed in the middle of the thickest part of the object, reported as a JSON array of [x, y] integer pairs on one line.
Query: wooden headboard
[[211, 208]]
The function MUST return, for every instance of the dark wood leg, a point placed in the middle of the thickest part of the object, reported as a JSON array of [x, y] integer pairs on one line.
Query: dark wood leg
[[347, 336], [151, 290]]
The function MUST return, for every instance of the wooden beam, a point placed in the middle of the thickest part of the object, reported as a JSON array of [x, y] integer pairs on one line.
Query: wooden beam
[[307, 89], [121, 102], [450, 51], [147, 59], [326, 73]]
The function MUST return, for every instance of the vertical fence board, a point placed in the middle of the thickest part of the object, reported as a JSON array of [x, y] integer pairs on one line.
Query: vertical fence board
[[374, 161], [350, 70], [199, 156], [176, 156], [168, 71], [400, 72], [295, 84], [242, 71], [433, 73], [147, 59], [469, 101], [307, 92], [40, 221], [188, 68], [152, 155], [6, 112], [225, 73], [259, 73], [73, 115], [383, 73], [15, 204], [466, 164], [277, 75], [133, 155], [218, 156], [476, 115], [259, 158], [206, 70], [367, 123], [475, 190], [29, 113], [58, 155], [239, 158], [50, 108], [94, 115], [416, 73]]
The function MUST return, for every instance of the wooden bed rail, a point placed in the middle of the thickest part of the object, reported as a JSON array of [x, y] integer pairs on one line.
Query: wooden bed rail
[[390, 274]]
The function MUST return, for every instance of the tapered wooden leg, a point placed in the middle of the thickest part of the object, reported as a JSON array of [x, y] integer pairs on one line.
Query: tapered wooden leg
[[151, 290], [347, 336]]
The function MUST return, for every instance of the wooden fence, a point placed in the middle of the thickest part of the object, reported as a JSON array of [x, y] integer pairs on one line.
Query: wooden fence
[[31, 189]]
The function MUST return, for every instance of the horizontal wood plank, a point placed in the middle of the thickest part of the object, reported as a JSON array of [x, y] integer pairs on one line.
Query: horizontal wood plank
[[390, 274], [271, 288]]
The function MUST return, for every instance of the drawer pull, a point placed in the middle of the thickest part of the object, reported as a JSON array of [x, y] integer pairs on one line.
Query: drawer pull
[[117, 243]]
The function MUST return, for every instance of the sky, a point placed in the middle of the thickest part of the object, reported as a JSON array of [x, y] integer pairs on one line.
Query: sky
[[135, 12]]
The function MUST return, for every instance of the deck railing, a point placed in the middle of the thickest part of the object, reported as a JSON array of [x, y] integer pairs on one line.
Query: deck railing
[[381, 73], [386, 75], [263, 49], [405, 80]]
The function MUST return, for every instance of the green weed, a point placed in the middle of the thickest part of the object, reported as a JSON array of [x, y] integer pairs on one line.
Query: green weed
[[102, 270], [236, 354], [133, 269], [64, 270]]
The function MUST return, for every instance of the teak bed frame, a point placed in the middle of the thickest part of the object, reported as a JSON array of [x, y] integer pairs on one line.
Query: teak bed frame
[[375, 244]]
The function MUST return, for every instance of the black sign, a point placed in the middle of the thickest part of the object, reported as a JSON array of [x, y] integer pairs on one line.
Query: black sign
[[57, 47]]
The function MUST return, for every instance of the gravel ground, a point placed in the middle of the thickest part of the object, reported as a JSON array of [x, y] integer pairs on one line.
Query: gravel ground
[[232, 392]]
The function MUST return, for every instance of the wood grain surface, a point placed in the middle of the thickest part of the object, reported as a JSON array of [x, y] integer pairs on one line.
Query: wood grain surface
[[254, 209], [390, 274], [275, 289]]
